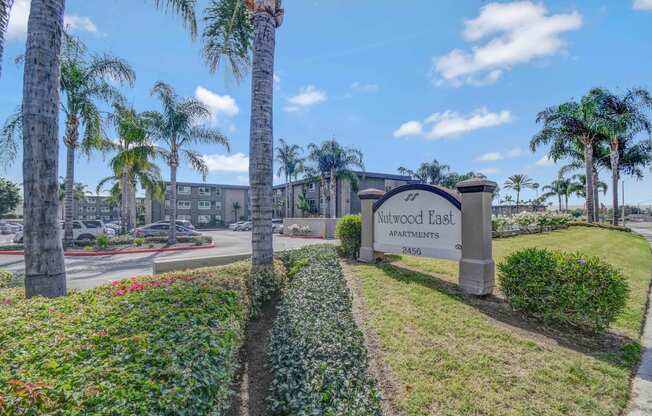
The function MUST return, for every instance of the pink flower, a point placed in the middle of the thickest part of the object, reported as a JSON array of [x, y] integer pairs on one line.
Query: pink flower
[[120, 292], [103, 333], [7, 301], [115, 282]]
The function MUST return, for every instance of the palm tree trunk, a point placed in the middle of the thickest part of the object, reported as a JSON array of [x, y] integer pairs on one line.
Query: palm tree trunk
[[5, 11], [588, 161], [287, 196], [560, 205], [333, 194], [322, 196], [615, 176], [261, 139], [172, 235], [124, 202], [132, 204], [518, 199], [68, 211], [596, 194], [45, 273]]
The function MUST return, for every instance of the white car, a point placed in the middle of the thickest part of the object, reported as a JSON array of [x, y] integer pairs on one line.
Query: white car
[[81, 230], [277, 226], [245, 226], [235, 225]]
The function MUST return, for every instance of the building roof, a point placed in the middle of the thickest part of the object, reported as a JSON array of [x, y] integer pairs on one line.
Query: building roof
[[372, 175], [217, 185]]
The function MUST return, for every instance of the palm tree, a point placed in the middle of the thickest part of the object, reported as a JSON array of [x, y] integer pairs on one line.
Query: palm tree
[[507, 200], [236, 208], [178, 127], [5, 11], [432, 173], [85, 80], [579, 186], [233, 29], [580, 122], [626, 118], [45, 272], [303, 203], [79, 193], [184, 8], [518, 183], [559, 188], [335, 162], [291, 164]]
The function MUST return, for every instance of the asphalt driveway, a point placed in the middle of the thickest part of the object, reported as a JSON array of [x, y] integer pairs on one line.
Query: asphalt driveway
[[88, 272]]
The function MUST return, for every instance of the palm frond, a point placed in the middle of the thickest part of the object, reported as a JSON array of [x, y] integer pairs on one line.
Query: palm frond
[[185, 9], [10, 138]]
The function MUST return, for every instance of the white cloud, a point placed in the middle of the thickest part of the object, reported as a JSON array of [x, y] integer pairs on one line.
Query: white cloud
[[218, 104], [79, 24], [494, 156], [452, 124], [488, 171], [517, 33], [243, 180], [307, 97], [17, 28], [227, 163], [364, 88], [643, 5], [411, 128], [545, 161]]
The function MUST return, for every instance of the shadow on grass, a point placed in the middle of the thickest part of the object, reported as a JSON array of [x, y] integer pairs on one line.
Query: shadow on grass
[[610, 347]]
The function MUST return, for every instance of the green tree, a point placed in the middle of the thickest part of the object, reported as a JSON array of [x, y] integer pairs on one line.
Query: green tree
[[45, 273], [234, 29], [177, 128], [291, 165], [570, 122], [335, 162], [80, 191], [236, 209], [9, 196], [518, 183], [433, 173]]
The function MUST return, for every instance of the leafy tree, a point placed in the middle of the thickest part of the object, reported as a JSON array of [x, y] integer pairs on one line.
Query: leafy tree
[[518, 183], [335, 162], [433, 173], [291, 164], [234, 29], [178, 128], [9, 196]]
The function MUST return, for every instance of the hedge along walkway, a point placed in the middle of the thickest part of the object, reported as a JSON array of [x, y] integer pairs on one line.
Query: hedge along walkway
[[641, 403], [456, 355]]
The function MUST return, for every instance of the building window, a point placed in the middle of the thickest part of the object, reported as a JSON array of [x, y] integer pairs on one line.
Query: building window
[[218, 218], [106, 209], [167, 218], [312, 203], [311, 186], [204, 190], [218, 205], [204, 204], [91, 199], [204, 219], [91, 209], [167, 203], [184, 217], [183, 204], [182, 189], [218, 191]]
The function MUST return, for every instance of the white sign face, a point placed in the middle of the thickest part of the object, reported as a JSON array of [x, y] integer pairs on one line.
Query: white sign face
[[419, 220]]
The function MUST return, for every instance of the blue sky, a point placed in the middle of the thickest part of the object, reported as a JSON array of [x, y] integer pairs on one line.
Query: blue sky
[[405, 82]]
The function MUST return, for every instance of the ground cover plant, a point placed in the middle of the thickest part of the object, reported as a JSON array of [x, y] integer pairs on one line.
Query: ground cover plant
[[317, 353], [457, 355], [165, 344]]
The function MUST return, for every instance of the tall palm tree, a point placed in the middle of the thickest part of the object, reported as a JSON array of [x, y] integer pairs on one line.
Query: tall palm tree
[[185, 9], [291, 164], [233, 30], [5, 11], [432, 173], [178, 127], [85, 81], [579, 186], [626, 117], [518, 183], [335, 162], [45, 272], [80, 192], [573, 121], [559, 188]]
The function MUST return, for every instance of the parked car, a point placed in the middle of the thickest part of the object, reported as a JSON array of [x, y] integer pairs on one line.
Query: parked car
[[235, 225], [277, 226], [5, 228], [81, 230], [245, 226], [183, 223], [162, 230]]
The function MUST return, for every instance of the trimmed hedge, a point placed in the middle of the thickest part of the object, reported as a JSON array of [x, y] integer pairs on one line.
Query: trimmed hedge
[[165, 344], [349, 231], [317, 353], [601, 225], [567, 289]]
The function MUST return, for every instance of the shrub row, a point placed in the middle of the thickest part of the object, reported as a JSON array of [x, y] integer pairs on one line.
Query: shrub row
[[317, 353], [601, 225], [566, 289], [164, 344], [349, 232]]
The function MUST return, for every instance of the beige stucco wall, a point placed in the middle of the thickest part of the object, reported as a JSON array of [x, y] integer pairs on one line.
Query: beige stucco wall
[[319, 227], [230, 197]]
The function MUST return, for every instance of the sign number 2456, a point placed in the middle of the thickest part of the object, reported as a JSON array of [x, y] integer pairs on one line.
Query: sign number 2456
[[412, 251]]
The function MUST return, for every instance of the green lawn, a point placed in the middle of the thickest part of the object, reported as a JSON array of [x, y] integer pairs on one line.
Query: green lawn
[[455, 355]]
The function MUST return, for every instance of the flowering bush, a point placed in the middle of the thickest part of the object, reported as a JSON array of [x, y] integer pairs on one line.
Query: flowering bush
[[296, 230], [527, 220], [165, 344], [568, 289]]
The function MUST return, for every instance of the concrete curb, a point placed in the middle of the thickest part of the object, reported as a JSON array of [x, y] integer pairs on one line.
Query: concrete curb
[[114, 252]]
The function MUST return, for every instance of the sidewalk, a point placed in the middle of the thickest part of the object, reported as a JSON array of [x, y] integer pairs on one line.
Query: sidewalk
[[641, 401]]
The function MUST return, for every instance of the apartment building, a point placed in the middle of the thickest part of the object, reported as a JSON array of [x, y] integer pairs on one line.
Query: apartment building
[[100, 208], [347, 198], [202, 204]]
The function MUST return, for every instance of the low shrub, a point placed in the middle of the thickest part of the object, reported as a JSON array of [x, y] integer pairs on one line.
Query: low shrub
[[317, 353], [102, 241], [567, 289], [349, 232], [165, 344], [5, 278], [601, 225], [139, 242], [12, 247]]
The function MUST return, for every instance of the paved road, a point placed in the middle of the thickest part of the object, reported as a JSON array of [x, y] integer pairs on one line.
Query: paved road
[[88, 272]]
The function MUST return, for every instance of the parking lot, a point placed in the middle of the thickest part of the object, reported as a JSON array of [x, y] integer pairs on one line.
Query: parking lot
[[88, 272]]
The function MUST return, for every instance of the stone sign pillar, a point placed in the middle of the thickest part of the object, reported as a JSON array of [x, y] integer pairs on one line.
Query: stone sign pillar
[[367, 198], [477, 265]]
